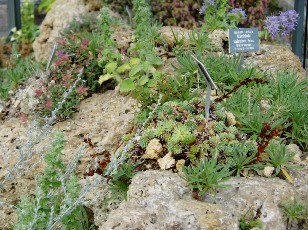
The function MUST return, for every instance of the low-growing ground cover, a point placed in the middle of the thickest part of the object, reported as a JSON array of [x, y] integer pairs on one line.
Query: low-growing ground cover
[[253, 117]]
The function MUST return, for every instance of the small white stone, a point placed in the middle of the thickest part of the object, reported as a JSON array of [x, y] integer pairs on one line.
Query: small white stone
[[179, 165], [166, 162], [230, 118], [294, 149], [268, 171], [153, 149]]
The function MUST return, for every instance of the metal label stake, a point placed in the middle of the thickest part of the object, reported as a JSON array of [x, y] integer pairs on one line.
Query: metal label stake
[[55, 45], [210, 85]]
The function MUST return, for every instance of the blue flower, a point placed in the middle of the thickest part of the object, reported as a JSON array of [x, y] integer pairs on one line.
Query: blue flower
[[203, 8], [211, 2], [288, 21], [205, 5], [282, 24], [238, 11], [273, 25]]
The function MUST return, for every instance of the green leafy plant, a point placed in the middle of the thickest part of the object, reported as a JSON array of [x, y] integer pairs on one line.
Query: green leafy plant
[[55, 191], [146, 33], [206, 176], [250, 221], [295, 212], [140, 74], [45, 5], [278, 157], [241, 158], [120, 181], [19, 70], [286, 90], [29, 31], [217, 15]]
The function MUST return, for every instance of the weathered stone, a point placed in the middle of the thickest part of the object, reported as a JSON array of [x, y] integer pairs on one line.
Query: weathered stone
[[219, 39], [268, 171], [264, 106], [105, 118], [275, 58], [60, 15], [230, 118], [294, 149], [179, 165], [168, 38], [153, 149], [166, 162], [123, 36], [161, 200]]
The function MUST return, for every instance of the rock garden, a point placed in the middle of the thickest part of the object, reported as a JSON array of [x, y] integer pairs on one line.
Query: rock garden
[[108, 122]]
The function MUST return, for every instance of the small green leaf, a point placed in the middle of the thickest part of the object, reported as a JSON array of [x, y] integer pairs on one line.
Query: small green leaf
[[127, 85], [56, 184], [123, 68], [135, 69], [110, 67], [104, 78], [151, 83], [143, 80], [134, 61]]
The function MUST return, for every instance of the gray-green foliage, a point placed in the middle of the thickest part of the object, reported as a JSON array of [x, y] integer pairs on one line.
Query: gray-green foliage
[[146, 32], [206, 176], [55, 192], [12, 77], [278, 156], [121, 180], [295, 211], [286, 97]]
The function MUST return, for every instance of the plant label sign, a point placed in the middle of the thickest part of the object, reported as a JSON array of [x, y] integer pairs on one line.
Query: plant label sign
[[243, 40], [210, 85]]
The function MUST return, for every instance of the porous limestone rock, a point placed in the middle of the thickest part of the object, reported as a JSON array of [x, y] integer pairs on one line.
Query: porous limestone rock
[[153, 149], [60, 15], [179, 165], [230, 118], [275, 58], [166, 162], [268, 171], [294, 149], [104, 118], [161, 200], [219, 39], [122, 34], [264, 106], [168, 38]]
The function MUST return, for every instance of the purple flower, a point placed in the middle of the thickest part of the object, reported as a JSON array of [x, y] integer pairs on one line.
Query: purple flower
[[238, 11], [203, 8], [288, 21], [272, 24], [284, 23], [212, 2], [205, 5], [60, 54]]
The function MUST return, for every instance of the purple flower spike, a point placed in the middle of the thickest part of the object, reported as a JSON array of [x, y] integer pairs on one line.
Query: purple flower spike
[[272, 24], [288, 20], [203, 8]]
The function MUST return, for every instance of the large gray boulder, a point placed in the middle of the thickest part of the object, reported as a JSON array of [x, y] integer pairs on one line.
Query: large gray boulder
[[161, 200]]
